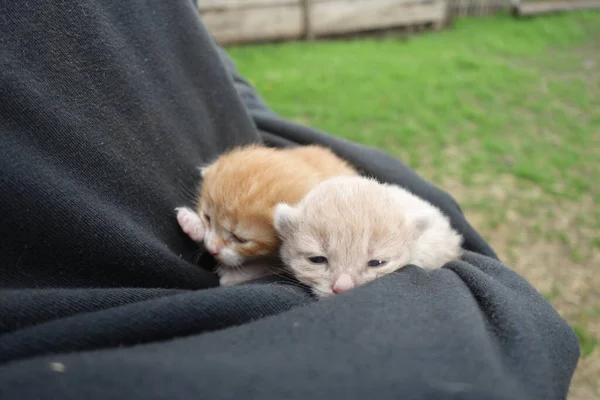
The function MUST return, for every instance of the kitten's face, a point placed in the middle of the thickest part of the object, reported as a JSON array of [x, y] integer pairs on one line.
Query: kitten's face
[[236, 228], [336, 262], [233, 238], [341, 236]]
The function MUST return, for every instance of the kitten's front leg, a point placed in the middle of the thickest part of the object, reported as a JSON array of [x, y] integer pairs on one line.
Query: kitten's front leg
[[190, 223]]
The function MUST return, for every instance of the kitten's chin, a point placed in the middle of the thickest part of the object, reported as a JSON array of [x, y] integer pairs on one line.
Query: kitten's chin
[[316, 286], [231, 259]]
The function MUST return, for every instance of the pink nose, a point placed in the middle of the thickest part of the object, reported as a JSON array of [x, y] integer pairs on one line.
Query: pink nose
[[343, 283], [213, 251]]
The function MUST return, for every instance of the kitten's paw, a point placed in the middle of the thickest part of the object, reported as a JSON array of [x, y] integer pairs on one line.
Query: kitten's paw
[[190, 223]]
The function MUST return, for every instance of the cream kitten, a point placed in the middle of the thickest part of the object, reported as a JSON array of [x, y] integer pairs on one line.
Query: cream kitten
[[348, 231], [234, 215]]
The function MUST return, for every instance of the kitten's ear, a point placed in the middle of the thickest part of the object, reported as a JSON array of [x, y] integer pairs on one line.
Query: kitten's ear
[[283, 218], [424, 219]]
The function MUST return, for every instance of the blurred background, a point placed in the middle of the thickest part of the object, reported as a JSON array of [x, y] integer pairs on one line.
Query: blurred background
[[495, 101]]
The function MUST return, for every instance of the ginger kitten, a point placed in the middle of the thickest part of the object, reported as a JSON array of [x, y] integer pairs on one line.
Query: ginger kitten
[[234, 215], [348, 231]]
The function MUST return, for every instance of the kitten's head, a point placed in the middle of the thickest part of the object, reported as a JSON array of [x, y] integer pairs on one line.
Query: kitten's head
[[238, 195], [346, 232], [235, 230]]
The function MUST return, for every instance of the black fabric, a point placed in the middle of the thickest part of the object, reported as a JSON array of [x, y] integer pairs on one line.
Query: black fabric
[[106, 110]]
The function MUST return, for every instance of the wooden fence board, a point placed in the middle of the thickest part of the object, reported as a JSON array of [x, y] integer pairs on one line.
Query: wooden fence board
[[235, 21], [255, 24], [526, 8], [217, 5], [340, 16], [461, 8]]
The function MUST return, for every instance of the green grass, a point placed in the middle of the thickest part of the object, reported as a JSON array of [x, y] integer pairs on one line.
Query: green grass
[[587, 342], [488, 87], [502, 113]]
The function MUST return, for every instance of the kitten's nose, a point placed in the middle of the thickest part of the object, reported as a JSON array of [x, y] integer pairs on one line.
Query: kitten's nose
[[213, 250], [343, 283]]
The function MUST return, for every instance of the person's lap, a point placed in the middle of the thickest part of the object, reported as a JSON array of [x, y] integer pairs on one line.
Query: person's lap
[[106, 110]]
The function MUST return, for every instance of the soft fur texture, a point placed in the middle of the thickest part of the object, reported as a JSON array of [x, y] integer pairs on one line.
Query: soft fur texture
[[354, 220], [238, 195]]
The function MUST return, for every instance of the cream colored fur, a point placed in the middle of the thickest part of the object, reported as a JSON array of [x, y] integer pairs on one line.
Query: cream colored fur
[[352, 220]]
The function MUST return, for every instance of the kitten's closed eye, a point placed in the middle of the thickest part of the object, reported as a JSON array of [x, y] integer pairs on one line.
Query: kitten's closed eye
[[376, 263], [207, 218], [238, 239], [318, 260]]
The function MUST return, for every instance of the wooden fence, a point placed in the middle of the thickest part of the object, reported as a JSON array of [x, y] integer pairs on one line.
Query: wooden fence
[[528, 8], [461, 8], [239, 21], [233, 21]]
